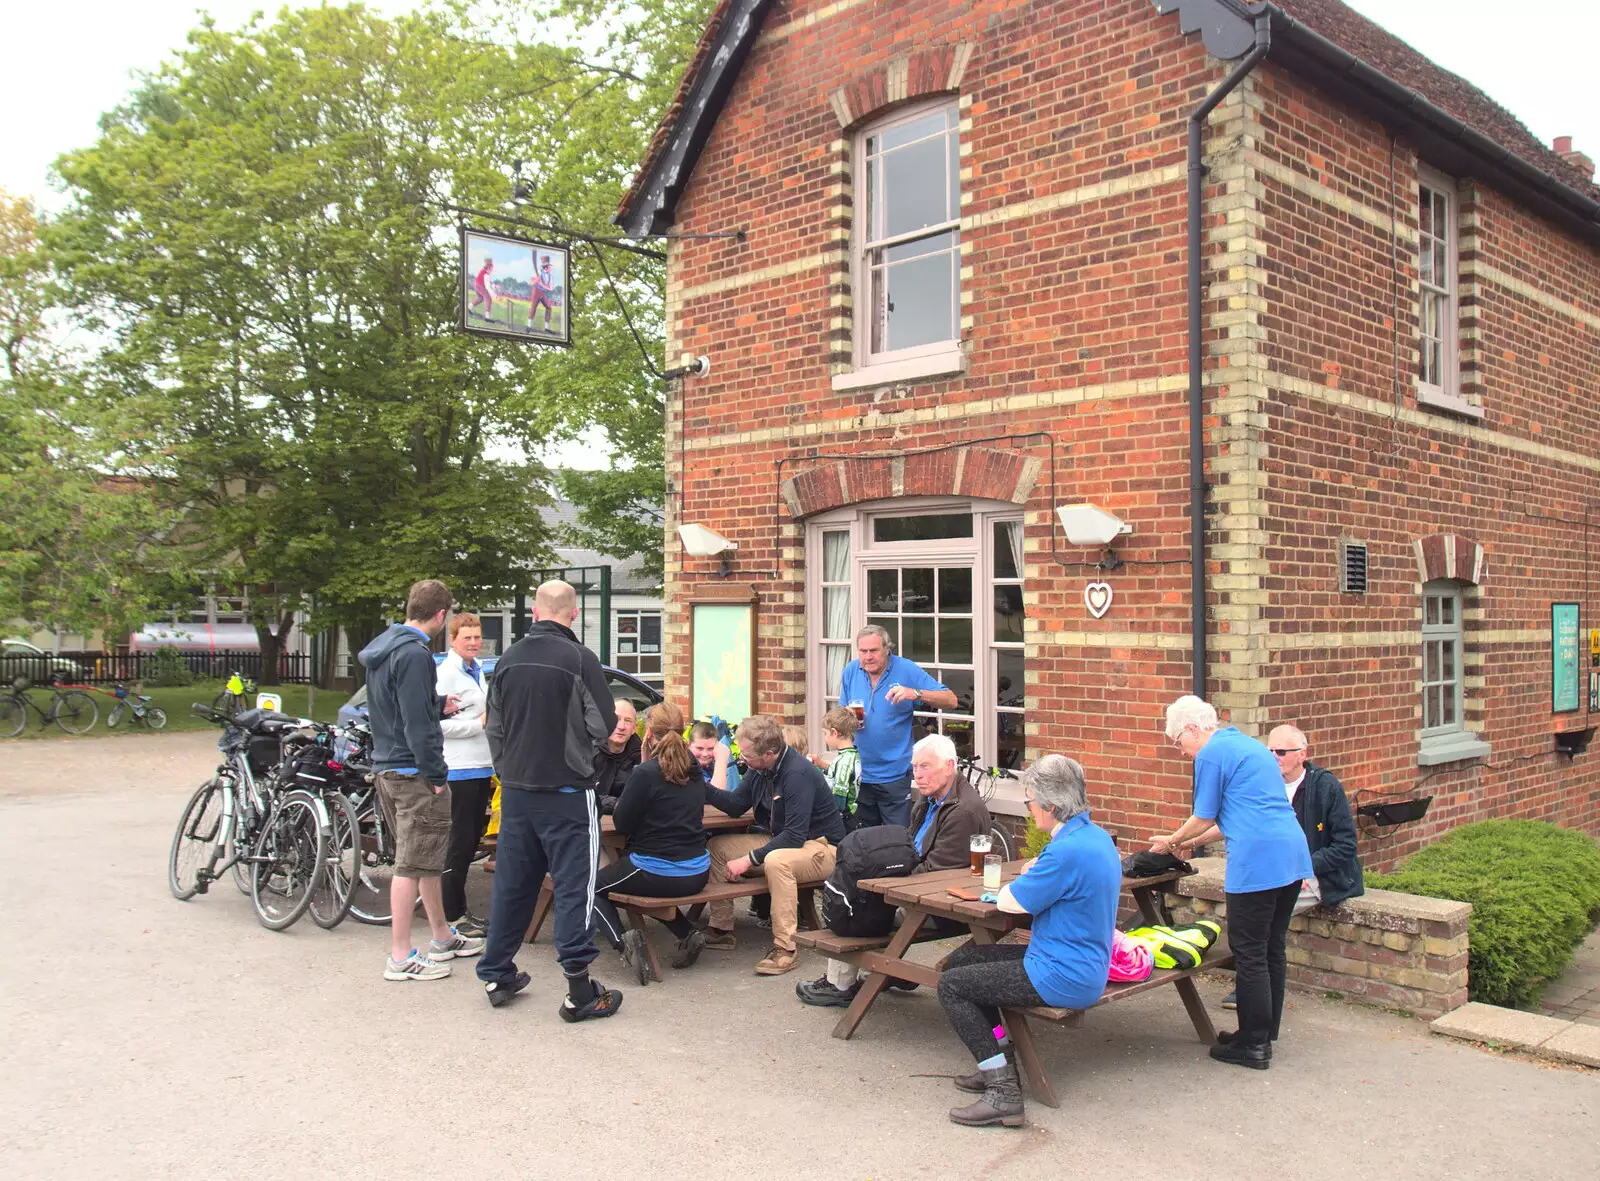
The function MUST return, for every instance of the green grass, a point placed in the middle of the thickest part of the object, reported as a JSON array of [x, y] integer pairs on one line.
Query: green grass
[[1535, 893], [176, 702]]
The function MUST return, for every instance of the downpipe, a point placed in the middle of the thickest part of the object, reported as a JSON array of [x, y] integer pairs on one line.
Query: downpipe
[[1197, 466]]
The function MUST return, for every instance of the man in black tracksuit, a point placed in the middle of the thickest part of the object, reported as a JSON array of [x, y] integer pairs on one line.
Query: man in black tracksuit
[[548, 708]]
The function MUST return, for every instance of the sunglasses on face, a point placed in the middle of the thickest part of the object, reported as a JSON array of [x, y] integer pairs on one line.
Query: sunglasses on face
[[1283, 754]]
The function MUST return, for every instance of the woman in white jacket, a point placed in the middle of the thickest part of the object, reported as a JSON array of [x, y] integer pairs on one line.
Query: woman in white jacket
[[466, 753]]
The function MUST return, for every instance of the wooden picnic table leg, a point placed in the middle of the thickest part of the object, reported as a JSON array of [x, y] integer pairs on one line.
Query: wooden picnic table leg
[[878, 981], [541, 911], [636, 921], [1021, 1034], [1190, 995]]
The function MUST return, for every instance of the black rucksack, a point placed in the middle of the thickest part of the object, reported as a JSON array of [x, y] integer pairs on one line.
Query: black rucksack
[[882, 851]]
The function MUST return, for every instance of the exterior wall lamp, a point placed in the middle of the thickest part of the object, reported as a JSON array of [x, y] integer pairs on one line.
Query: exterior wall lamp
[[1087, 524], [701, 542]]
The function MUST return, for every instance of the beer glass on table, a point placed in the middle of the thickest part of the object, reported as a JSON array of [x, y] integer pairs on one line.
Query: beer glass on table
[[980, 847]]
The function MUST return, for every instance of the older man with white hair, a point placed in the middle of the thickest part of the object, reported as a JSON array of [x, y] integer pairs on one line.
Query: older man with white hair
[[1238, 787], [1071, 891], [946, 814]]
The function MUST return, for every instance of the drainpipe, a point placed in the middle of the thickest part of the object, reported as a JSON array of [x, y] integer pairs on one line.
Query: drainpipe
[[1197, 473]]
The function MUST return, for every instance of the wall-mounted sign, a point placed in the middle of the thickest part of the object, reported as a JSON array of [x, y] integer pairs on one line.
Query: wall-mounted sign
[[1565, 687], [1097, 597], [515, 288], [272, 701]]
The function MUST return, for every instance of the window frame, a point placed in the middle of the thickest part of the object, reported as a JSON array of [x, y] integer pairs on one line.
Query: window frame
[[918, 360], [866, 555], [1445, 393], [657, 679], [1442, 591]]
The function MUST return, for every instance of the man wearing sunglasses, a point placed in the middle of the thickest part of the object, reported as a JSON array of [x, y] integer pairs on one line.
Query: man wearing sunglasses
[[1324, 813]]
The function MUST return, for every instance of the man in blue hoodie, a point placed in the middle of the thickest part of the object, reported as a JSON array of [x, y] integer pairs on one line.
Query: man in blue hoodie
[[413, 781]]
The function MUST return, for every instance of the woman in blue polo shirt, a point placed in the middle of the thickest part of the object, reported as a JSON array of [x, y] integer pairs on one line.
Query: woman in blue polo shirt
[[1237, 786], [662, 813], [1071, 891]]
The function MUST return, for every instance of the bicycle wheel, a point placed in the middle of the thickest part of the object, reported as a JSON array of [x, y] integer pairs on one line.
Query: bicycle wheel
[[76, 712], [13, 715], [287, 863], [1000, 842], [118, 712], [226, 704], [330, 901], [194, 844], [155, 717], [369, 900]]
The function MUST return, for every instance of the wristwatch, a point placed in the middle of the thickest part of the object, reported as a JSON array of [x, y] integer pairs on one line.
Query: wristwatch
[[919, 694]]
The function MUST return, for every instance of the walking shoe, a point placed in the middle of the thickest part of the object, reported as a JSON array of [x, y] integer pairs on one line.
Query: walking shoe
[[606, 1002], [1226, 1037], [778, 962], [1255, 1057], [458, 945], [470, 925], [822, 993], [415, 966], [1001, 1102], [719, 940], [635, 956], [1231, 1001], [500, 992], [689, 949], [764, 921]]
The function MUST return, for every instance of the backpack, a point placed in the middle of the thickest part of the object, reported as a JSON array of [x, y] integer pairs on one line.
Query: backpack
[[882, 851]]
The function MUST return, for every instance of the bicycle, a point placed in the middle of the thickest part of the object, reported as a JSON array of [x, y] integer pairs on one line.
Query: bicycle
[[232, 698], [70, 708], [285, 834], [134, 705], [370, 897], [309, 765], [983, 780]]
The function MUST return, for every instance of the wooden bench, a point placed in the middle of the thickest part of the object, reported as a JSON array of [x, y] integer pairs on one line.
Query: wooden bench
[[639, 907]]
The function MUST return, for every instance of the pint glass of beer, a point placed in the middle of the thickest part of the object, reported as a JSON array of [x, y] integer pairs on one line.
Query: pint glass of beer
[[980, 848]]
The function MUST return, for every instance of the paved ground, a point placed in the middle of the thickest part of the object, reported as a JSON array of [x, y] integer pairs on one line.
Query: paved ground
[[1575, 994], [148, 1037]]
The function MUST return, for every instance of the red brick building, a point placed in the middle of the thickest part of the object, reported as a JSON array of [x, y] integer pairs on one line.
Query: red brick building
[[961, 302]]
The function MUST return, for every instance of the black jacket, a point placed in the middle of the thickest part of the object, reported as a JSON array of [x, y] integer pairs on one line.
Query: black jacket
[[796, 800], [612, 768], [548, 706], [1324, 812], [402, 706], [962, 816], [662, 819]]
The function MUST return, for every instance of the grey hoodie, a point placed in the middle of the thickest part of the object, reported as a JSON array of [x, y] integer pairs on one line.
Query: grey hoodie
[[402, 705]]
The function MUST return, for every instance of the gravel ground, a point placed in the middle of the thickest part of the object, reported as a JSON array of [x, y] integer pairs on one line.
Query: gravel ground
[[183, 1040]]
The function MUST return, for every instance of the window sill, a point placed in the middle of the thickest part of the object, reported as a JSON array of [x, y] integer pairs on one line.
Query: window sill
[[1449, 403], [951, 363], [1451, 748]]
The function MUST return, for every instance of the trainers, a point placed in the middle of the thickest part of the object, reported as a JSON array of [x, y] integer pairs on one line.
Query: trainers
[[823, 994], [778, 962], [689, 949], [415, 967], [719, 940], [635, 956], [458, 945], [501, 991], [470, 926], [606, 1002]]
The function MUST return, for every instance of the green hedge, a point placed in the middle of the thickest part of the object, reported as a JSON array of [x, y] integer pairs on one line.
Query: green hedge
[[1535, 893]]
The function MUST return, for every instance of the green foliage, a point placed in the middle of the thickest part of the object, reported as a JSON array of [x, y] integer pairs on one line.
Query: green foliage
[[1535, 893], [1034, 839], [167, 668]]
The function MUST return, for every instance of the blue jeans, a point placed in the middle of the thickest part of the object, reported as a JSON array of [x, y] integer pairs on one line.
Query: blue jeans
[[543, 832], [885, 803]]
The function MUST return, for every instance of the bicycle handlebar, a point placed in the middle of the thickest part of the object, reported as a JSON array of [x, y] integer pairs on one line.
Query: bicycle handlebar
[[206, 712]]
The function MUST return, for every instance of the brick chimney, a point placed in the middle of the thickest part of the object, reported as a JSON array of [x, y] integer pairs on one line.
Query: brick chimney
[[1563, 148]]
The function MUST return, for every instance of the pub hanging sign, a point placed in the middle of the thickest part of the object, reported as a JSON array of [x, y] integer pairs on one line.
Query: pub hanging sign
[[1565, 666]]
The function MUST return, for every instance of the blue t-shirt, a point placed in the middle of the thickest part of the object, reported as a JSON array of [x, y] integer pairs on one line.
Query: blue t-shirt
[[1237, 783], [884, 739], [1071, 892], [706, 773]]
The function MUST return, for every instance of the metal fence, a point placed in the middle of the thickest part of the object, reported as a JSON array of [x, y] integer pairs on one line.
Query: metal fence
[[103, 668]]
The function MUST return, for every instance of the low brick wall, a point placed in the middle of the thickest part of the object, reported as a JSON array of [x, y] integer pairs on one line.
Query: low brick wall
[[1397, 950]]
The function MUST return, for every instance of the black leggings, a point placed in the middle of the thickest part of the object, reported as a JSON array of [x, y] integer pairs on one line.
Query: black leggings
[[626, 878], [1258, 932], [977, 980], [469, 816]]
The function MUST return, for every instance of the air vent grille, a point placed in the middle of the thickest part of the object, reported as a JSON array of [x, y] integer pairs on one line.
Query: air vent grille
[[1353, 568]]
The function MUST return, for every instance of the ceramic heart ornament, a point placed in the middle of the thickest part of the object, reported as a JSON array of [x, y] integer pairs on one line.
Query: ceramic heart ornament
[[1097, 597]]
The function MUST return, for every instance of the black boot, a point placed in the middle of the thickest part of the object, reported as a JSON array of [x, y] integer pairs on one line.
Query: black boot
[[1244, 1054], [1001, 1102]]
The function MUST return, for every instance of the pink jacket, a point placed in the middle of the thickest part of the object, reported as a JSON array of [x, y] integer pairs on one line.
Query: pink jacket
[[1130, 959]]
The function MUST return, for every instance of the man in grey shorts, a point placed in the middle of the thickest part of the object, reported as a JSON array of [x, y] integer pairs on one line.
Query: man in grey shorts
[[413, 781]]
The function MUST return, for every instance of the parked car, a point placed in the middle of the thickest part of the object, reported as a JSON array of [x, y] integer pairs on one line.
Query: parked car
[[29, 660], [624, 687]]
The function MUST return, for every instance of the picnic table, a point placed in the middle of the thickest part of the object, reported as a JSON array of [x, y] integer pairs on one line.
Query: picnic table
[[925, 896], [613, 842]]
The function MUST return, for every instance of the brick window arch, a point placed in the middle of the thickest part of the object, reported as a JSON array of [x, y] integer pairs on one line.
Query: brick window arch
[[984, 473]]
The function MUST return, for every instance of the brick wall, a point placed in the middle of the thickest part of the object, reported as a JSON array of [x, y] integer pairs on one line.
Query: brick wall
[[1073, 323]]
